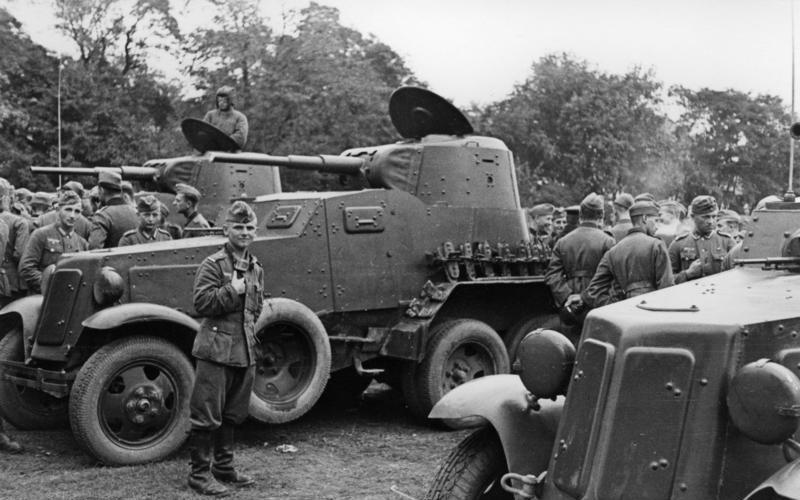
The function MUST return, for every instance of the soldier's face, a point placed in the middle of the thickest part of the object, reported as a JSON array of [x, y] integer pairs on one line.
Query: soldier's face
[[149, 220], [223, 103], [240, 235], [559, 224], [68, 214], [544, 223], [705, 223], [729, 227], [181, 204]]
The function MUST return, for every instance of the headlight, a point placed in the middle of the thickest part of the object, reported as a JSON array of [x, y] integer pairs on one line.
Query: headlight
[[546, 358], [764, 401], [108, 286]]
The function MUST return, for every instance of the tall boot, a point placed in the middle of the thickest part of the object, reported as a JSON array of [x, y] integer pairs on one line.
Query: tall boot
[[200, 478], [223, 468]]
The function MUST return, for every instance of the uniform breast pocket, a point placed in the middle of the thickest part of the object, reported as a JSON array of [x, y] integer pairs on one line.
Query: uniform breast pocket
[[688, 254], [54, 247]]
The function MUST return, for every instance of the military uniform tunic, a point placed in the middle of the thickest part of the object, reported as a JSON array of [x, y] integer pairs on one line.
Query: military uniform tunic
[[620, 229], [195, 221], [575, 259], [688, 247], [138, 237], [111, 222], [45, 246], [82, 225], [224, 345], [636, 265], [18, 235]]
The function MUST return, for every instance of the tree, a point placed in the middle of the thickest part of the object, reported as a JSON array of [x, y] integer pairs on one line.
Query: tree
[[738, 145]]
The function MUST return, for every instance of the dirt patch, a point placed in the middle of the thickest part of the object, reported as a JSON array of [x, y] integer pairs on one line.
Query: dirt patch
[[358, 451]]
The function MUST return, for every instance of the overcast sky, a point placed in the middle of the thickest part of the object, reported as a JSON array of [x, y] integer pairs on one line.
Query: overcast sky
[[476, 50]]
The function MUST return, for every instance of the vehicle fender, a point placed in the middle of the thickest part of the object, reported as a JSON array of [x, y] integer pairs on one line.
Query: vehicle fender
[[527, 435], [138, 312], [26, 310], [784, 484]]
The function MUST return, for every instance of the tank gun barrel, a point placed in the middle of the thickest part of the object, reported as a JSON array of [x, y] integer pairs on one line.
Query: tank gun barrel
[[128, 172], [323, 163]]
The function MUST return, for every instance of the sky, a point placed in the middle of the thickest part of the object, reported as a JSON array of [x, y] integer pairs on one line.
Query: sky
[[475, 51]]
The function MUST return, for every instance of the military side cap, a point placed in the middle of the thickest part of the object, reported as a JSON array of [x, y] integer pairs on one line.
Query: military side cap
[[541, 209], [643, 208], [240, 213], [645, 197], [188, 191], [5, 187], [703, 205], [68, 197], [559, 213], [729, 215], [40, 198], [75, 187], [24, 193], [147, 203], [110, 180], [592, 206], [624, 200]]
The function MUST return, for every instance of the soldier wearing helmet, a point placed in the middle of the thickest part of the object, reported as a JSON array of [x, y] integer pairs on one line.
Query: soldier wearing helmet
[[227, 119]]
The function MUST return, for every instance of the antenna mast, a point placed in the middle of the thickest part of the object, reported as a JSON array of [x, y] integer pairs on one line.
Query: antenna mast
[[59, 119], [790, 196]]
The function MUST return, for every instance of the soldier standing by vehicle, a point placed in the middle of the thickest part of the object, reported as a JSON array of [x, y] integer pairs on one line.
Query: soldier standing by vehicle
[[18, 234], [701, 252], [228, 293], [82, 225], [622, 204], [186, 202], [115, 218], [540, 224], [48, 243], [227, 119], [149, 210], [638, 264], [575, 259]]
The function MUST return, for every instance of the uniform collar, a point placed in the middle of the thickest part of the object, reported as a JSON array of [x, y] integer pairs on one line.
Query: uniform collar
[[699, 236]]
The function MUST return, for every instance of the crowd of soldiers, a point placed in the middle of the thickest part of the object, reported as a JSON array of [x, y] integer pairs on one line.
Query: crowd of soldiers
[[601, 253]]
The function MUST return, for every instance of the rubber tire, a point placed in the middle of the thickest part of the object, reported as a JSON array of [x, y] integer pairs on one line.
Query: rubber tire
[[523, 327], [476, 465], [18, 410], [445, 339], [92, 380], [281, 311]]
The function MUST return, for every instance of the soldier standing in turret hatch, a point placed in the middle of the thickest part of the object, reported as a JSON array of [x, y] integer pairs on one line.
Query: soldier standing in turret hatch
[[701, 252], [115, 218], [186, 201], [227, 119], [228, 289], [149, 210]]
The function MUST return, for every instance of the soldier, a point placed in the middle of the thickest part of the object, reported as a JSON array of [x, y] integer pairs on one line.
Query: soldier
[[540, 224], [48, 243], [186, 202], [149, 210], [559, 223], [6, 443], [115, 218], [82, 225], [18, 234], [127, 193], [40, 203], [622, 203], [638, 264], [730, 223], [701, 252], [575, 259], [227, 119], [670, 215], [228, 293]]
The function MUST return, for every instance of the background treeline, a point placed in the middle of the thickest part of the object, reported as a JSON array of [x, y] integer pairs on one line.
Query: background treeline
[[320, 87]]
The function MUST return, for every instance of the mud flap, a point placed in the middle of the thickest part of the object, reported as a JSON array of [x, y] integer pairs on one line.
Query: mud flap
[[527, 435], [783, 485]]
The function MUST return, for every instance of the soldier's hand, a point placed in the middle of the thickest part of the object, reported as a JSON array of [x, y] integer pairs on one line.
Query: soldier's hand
[[237, 283], [695, 269], [574, 301]]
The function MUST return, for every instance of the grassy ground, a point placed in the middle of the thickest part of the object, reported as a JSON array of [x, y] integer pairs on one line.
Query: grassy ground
[[360, 452]]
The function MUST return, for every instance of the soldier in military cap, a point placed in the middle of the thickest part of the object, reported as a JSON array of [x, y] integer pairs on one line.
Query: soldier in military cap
[[48, 243], [559, 222], [575, 259], [227, 119], [82, 225], [540, 224], [702, 251], [40, 203], [730, 223], [11, 286], [149, 210], [186, 202], [228, 294], [116, 217], [622, 203], [638, 264]]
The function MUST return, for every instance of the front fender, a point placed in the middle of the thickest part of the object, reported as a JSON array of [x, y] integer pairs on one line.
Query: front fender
[[26, 310], [527, 435], [785, 484], [137, 312]]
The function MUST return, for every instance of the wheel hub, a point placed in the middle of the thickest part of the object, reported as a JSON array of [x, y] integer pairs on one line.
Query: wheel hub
[[144, 405]]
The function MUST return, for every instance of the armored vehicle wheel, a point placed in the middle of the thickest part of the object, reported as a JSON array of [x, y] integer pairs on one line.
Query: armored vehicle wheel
[[24, 407], [293, 362], [472, 471], [130, 401], [459, 351], [523, 327]]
